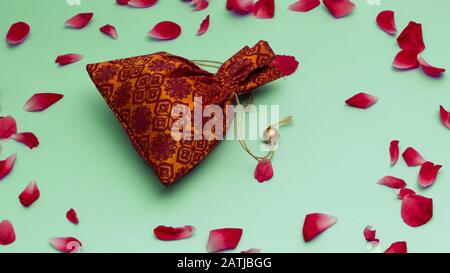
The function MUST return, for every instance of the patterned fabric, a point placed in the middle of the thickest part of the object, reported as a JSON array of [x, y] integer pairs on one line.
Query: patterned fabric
[[142, 92]]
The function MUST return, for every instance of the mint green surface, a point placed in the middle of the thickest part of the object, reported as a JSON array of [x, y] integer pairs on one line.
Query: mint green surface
[[329, 160]]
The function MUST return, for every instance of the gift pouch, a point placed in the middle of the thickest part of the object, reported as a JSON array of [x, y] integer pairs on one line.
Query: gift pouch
[[144, 91]]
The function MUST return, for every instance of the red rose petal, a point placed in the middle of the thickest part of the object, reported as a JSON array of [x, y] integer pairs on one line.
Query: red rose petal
[[286, 64], [240, 6], [7, 165], [66, 244], [392, 182], [370, 234], [430, 70], [223, 239], [170, 233], [412, 157], [251, 250], [394, 151], [264, 9], [122, 2], [26, 138], [397, 248], [263, 171], [17, 33], [386, 21], [72, 216], [315, 224], [7, 234], [142, 3], [416, 210], [304, 5], [41, 101], [165, 30], [406, 59], [428, 173], [80, 20], [8, 127], [201, 5], [30, 194], [404, 192], [411, 38], [110, 31], [203, 26], [68, 59], [445, 116], [362, 100], [339, 8]]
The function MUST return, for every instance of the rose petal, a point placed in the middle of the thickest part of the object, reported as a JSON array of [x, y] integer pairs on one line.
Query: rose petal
[[404, 192], [203, 26], [264, 9], [30, 194], [17, 33], [68, 59], [170, 233], [122, 2], [251, 250], [142, 3], [7, 165], [223, 239], [392, 182], [26, 138], [66, 244], [8, 127], [41, 101], [411, 38], [201, 5], [430, 70], [263, 171], [110, 31], [428, 173], [416, 210], [412, 157], [394, 151], [240, 6], [445, 116], [7, 234], [397, 248], [406, 59], [370, 234], [315, 224], [286, 64], [80, 20], [362, 100], [386, 21], [304, 5], [165, 30], [339, 8], [72, 216]]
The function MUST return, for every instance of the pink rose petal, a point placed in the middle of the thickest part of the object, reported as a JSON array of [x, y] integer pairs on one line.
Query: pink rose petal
[[41, 101], [223, 239], [26, 138], [110, 31], [201, 5], [394, 151], [411, 38], [428, 173], [304, 5], [362, 100], [68, 59], [339, 8], [386, 21], [203, 26], [315, 224], [286, 64], [66, 244], [264, 9], [142, 3], [416, 210], [263, 171], [170, 233], [370, 235], [412, 157], [79, 21], [8, 127], [72, 216], [445, 116], [430, 70], [404, 192], [240, 6], [406, 59], [122, 2], [392, 182], [165, 30], [17, 33], [7, 234], [7, 165], [397, 248], [30, 194]]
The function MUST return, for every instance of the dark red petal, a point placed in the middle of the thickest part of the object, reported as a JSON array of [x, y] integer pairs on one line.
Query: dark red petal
[[411, 38], [7, 234], [445, 116], [41, 101], [370, 234], [339, 8], [66, 244], [362, 100], [17, 33], [223, 239], [165, 30], [428, 173], [263, 171], [110, 31], [142, 3], [203, 26], [264, 9], [26, 138], [404, 192], [68, 59], [397, 248], [386, 21], [412, 157], [416, 210], [315, 224], [80, 20], [30, 194], [286, 64], [8, 127], [122, 2], [170, 233], [406, 59], [251, 250], [430, 70], [7, 165], [240, 6], [304, 5], [394, 151], [201, 5], [392, 182], [72, 216]]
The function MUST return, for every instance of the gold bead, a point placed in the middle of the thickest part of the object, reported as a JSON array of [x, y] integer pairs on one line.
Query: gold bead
[[271, 135]]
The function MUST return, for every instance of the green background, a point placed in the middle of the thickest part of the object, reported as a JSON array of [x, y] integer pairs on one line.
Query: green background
[[329, 159]]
